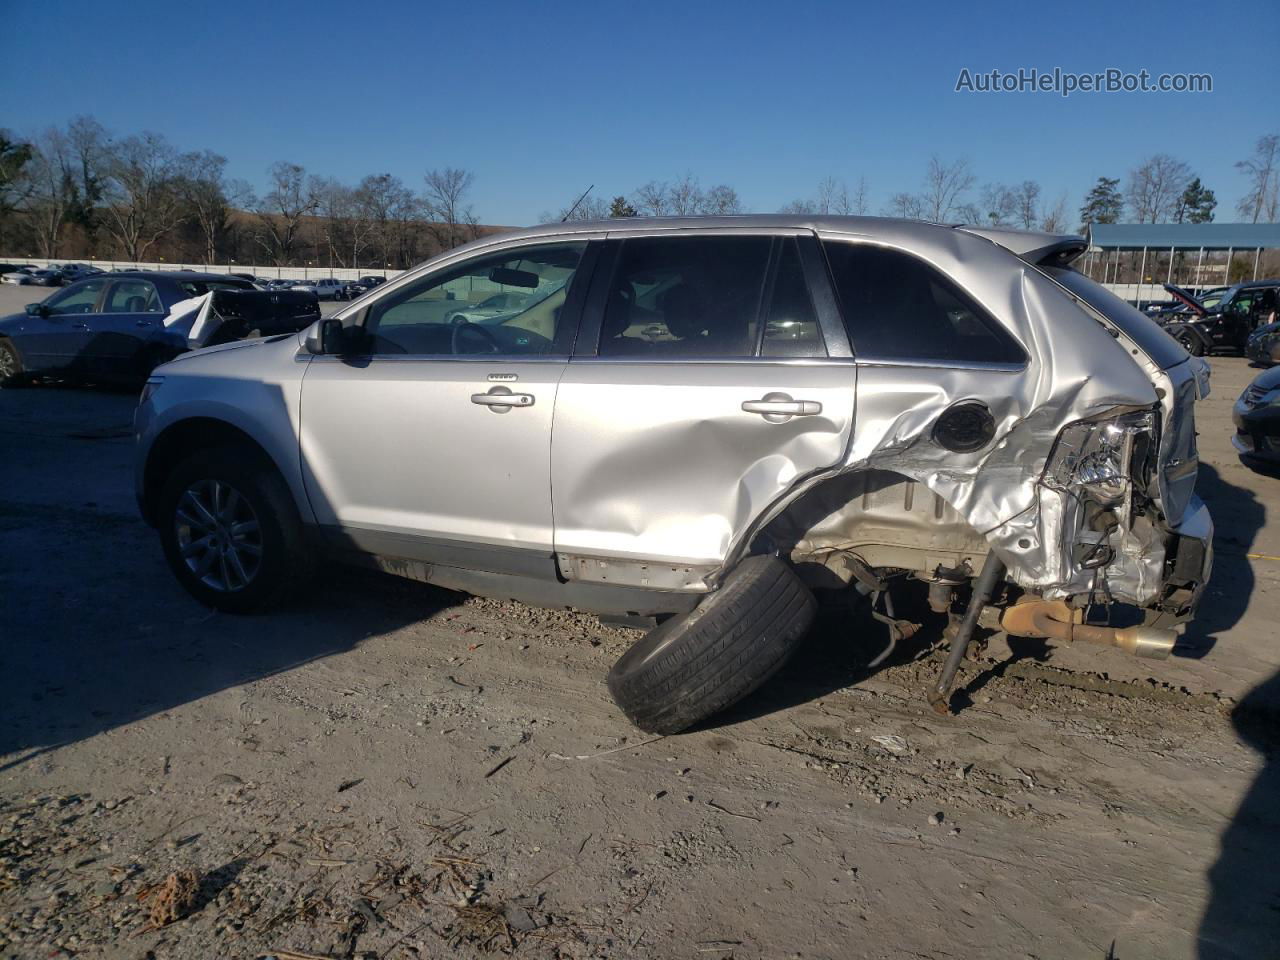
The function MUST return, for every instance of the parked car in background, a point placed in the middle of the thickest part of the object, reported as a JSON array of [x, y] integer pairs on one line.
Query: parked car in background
[[1226, 322], [325, 288], [20, 276], [118, 327], [745, 409], [1257, 418], [50, 277], [1263, 345], [77, 271], [14, 267]]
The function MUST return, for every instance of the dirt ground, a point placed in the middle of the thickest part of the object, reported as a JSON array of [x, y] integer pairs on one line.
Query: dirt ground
[[392, 770]]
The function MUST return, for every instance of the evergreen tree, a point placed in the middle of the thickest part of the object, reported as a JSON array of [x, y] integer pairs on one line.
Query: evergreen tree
[[620, 208], [1102, 204], [1196, 204]]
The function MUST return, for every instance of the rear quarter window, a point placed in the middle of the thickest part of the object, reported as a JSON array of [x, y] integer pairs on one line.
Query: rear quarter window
[[897, 307]]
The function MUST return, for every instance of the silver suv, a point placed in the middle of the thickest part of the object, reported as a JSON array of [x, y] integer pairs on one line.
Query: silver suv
[[694, 424]]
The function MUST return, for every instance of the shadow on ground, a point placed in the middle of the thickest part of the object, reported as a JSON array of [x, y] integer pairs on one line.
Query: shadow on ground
[[83, 656], [1237, 518], [1242, 919]]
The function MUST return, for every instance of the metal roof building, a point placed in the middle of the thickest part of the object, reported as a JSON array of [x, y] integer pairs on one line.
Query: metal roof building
[[1188, 253]]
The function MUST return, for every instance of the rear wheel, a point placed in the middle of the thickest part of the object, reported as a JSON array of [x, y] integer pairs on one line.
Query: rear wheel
[[696, 665], [231, 531]]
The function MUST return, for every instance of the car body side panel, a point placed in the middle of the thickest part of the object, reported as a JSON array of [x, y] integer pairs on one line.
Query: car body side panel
[[396, 445], [1076, 373], [259, 393], [657, 460]]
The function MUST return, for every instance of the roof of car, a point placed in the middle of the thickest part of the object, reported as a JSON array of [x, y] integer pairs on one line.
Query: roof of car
[[1023, 243]]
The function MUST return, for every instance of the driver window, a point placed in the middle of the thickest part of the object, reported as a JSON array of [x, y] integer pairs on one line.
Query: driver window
[[505, 304], [78, 298]]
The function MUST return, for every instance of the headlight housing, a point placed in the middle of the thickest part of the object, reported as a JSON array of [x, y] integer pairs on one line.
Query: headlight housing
[[1102, 459]]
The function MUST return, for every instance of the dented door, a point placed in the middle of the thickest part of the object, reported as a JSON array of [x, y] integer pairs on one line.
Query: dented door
[[664, 448]]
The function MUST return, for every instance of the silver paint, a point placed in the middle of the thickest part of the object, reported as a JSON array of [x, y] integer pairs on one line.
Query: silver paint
[[622, 464]]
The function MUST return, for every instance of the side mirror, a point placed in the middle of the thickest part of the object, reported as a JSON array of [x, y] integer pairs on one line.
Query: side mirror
[[326, 338], [37, 310]]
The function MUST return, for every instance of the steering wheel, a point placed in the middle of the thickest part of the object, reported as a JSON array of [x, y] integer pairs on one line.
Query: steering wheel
[[491, 342]]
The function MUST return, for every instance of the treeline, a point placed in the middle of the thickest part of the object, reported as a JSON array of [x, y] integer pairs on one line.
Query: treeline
[[78, 192]]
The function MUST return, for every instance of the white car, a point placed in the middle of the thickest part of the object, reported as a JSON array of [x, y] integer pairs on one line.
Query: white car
[[20, 277], [326, 288]]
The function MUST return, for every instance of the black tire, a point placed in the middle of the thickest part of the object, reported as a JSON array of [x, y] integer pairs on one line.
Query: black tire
[[697, 664], [1191, 344], [284, 561], [11, 373]]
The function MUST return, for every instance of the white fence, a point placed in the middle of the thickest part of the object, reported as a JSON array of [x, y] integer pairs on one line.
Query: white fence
[[258, 270]]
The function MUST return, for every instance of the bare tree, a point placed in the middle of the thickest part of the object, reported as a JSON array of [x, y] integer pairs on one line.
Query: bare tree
[[652, 199], [799, 208], [1262, 199], [395, 213], [141, 196], [971, 213], [685, 196], [446, 204], [906, 205], [721, 200], [945, 185], [283, 208], [860, 205], [1055, 218], [833, 197], [588, 208], [1027, 197], [997, 204], [209, 197], [1155, 186], [47, 201]]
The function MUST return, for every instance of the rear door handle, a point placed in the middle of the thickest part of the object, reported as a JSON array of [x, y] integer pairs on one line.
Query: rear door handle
[[142, 323], [501, 399], [779, 407], [79, 326]]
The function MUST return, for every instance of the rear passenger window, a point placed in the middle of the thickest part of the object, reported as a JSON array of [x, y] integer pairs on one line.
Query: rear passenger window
[[133, 296], [686, 297], [897, 307]]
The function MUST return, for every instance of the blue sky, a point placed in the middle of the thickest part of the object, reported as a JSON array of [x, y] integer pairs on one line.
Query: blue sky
[[540, 99]]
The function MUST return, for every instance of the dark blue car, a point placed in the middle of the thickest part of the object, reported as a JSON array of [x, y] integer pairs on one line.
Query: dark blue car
[[109, 327]]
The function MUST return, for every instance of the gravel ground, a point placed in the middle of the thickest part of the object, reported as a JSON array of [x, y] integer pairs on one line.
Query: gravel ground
[[387, 769]]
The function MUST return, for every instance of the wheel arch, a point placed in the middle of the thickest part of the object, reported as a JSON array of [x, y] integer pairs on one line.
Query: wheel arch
[[185, 437], [881, 516]]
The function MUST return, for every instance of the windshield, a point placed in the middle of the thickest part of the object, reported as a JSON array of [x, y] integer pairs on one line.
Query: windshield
[[1154, 342]]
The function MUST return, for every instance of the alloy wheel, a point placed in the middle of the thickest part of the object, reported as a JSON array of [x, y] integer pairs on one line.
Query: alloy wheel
[[219, 536]]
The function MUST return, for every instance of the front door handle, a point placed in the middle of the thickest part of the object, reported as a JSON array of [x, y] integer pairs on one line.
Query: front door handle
[[142, 323], [79, 326], [501, 399], [779, 407]]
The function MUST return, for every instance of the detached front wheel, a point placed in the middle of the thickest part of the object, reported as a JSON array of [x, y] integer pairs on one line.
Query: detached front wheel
[[693, 666], [231, 531]]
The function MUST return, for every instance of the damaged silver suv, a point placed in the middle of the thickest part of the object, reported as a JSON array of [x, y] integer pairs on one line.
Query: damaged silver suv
[[697, 423]]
